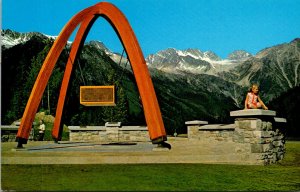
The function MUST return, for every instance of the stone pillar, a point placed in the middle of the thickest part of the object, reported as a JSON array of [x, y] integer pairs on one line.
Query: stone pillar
[[193, 128], [112, 131], [255, 127], [279, 128]]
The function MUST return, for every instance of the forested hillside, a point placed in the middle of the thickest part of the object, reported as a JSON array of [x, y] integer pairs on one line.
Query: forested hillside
[[288, 105], [182, 95], [179, 100]]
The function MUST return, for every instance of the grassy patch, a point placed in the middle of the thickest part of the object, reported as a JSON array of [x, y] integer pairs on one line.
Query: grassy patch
[[156, 177]]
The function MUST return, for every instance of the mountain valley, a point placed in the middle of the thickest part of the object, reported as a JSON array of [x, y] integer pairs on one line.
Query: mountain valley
[[190, 84]]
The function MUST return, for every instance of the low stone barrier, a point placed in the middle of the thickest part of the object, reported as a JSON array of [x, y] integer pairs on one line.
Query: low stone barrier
[[256, 135], [9, 132], [109, 133]]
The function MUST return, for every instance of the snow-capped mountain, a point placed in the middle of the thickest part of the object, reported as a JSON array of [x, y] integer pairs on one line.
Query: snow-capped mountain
[[172, 60], [276, 68], [11, 38], [194, 61], [169, 60], [189, 83]]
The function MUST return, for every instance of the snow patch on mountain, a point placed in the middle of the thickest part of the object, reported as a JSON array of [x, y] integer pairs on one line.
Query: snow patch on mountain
[[54, 37], [11, 38], [186, 53], [9, 41], [194, 61]]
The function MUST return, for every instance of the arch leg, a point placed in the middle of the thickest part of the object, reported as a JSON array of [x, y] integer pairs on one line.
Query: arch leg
[[44, 75], [80, 36]]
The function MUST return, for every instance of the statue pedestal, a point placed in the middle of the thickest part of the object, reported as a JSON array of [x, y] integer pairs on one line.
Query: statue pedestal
[[256, 137], [252, 112], [259, 129]]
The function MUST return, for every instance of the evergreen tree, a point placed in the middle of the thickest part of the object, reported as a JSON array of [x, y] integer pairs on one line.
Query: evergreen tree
[[119, 112], [53, 83]]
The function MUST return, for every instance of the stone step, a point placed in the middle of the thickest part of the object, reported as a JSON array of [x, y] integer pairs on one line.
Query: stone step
[[217, 127]]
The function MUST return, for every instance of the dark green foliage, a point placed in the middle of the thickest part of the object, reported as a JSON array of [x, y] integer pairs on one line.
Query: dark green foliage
[[183, 99], [94, 67], [287, 105], [16, 85], [179, 100]]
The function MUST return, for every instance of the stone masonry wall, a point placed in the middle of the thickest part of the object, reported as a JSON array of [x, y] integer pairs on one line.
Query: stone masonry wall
[[256, 141], [108, 134], [266, 142]]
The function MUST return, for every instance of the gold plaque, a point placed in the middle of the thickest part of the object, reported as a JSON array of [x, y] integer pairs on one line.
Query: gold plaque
[[97, 95]]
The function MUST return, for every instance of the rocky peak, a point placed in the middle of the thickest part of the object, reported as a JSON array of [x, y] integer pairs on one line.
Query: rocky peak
[[212, 56], [239, 55], [99, 45], [296, 40], [11, 38]]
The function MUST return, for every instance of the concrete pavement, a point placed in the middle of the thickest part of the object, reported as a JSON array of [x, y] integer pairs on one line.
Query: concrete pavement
[[183, 151]]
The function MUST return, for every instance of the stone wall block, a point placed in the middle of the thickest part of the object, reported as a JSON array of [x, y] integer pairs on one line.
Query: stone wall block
[[219, 139], [278, 137], [243, 124], [258, 156], [279, 155], [278, 143], [237, 123], [256, 124], [269, 126], [271, 156], [127, 138], [112, 130], [241, 148], [261, 148], [268, 134], [264, 125], [265, 140], [193, 132], [261, 162], [257, 134], [95, 138], [248, 134], [238, 137], [95, 132], [268, 161], [263, 134], [277, 149]]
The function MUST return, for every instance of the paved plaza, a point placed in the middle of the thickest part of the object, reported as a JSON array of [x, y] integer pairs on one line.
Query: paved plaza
[[183, 151]]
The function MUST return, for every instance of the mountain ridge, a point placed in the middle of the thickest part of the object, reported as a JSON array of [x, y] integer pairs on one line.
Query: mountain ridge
[[184, 92], [280, 63]]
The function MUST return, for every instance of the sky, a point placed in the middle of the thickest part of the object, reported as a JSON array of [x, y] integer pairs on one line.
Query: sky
[[221, 26]]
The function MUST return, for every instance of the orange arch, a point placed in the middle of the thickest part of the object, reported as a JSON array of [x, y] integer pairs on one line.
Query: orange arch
[[85, 19]]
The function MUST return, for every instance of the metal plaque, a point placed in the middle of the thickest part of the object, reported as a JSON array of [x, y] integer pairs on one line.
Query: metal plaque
[[97, 95]]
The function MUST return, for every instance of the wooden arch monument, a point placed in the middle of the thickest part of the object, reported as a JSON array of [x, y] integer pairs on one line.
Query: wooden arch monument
[[85, 19]]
